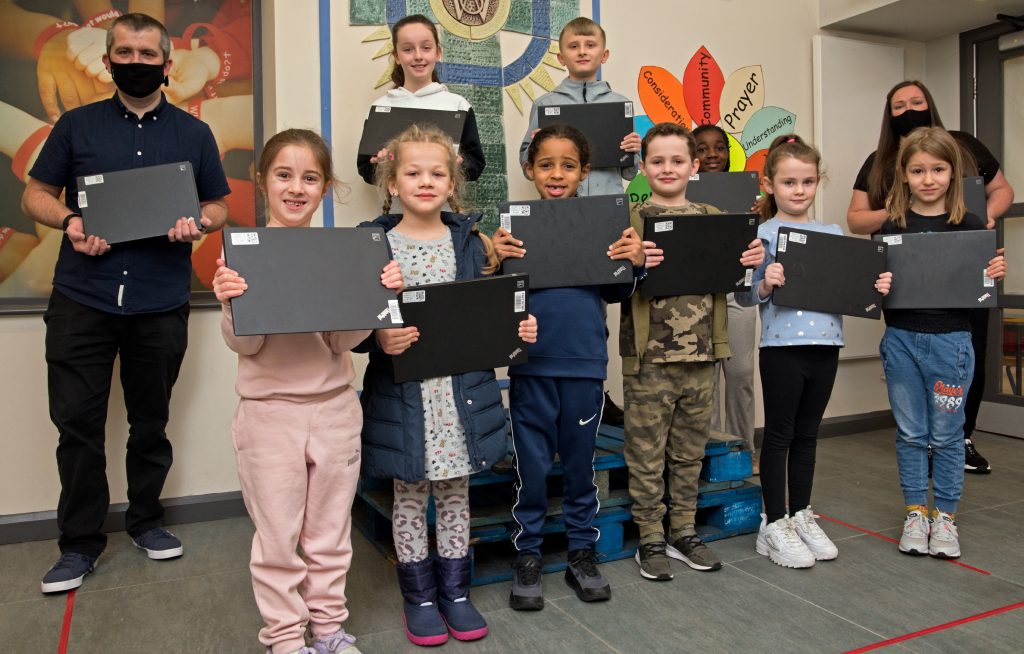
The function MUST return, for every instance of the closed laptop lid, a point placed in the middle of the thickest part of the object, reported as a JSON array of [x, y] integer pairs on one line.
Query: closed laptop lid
[[730, 192], [604, 124], [830, 273], [310, 279], [129, 205], [974, 197], [702, 253], [463, 326], [940, 270], [385, 123], [566, 240]]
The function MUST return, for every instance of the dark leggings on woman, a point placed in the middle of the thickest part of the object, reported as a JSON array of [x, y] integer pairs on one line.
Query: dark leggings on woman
[[796, 382]]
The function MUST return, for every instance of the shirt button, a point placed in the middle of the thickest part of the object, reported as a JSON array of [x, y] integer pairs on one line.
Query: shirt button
[[139, 153], [125, 272], [140, 125]]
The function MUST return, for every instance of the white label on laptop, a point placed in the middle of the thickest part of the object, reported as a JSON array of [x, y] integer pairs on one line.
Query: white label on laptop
[[796, 237], [396, 313], [748, 277], [987, 281], [893, 240], [694, 178], [783, 240], [83, 202], [505, 220], [552, 111], [93, 179], [629, 110], [382, 110], [663, 226], [520, 301], [408, 297], [519, 210], [245, 238]]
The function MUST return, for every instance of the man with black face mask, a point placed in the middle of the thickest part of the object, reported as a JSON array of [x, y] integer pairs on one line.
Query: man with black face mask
[[129, 301]]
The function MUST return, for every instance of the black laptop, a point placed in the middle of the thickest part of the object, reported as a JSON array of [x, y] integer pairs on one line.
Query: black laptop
[[604, 124], [940, 270], [974, 197], [385, 123], [464, 326], [310, 279], [830, 273], [129, 205], [702, 253], [729, 192], [566, 240]]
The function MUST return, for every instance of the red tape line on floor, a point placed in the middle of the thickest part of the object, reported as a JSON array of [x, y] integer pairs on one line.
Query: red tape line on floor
[[893, 540], [931, 630], [65, 630]]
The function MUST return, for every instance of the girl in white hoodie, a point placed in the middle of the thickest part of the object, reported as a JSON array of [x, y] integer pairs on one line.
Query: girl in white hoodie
[[416, 49]]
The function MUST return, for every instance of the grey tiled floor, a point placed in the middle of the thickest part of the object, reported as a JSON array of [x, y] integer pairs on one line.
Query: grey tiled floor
[[203, 602]]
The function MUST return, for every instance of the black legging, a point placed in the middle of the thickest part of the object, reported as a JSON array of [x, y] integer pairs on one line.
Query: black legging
[[979, 338], [796, 383]]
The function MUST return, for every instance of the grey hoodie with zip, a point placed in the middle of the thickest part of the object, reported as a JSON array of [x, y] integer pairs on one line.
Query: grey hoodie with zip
[[600, 181]]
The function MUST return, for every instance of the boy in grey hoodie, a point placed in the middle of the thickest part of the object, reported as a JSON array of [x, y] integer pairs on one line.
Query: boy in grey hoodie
[[582, 51]]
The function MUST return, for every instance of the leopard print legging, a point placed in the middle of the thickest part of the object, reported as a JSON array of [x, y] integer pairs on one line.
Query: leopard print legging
[[409, 518]]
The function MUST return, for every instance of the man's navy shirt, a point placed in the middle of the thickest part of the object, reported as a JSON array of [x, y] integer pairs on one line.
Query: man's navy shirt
[[140, 276]]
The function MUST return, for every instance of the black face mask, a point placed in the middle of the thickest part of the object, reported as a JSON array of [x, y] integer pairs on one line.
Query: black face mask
[[138, 80], [910, 120]]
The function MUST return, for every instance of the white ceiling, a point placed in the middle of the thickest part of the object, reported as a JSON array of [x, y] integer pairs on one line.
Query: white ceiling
[[917, 20]]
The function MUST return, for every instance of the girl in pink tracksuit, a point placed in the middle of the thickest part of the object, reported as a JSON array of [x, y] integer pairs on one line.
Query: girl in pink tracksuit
[[296, 431]]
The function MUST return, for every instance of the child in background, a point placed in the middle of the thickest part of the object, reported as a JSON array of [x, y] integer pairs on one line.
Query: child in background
[[416, 49], [296, 430], [669, 347], [927, 353], [581, 49], [799, 358], [556, 397], [430, 436], [737, 418]]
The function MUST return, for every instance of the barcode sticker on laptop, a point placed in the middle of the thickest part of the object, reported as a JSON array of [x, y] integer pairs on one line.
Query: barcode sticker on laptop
[[893, 240], [408, 297], [245, 238], [783, 240], [748, 277], [93, 179], [629, 110], [520, 301], [396, 313], [519, 210], [663, 226], [987, 281], [552, 111], [382, 110], [83, 202], [796, 237], [505, 220]]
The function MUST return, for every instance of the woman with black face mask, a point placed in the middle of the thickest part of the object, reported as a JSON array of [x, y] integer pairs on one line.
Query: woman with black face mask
[[908, 106]]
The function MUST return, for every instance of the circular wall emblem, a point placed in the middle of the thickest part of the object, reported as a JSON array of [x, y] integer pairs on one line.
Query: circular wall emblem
[[482, 17]]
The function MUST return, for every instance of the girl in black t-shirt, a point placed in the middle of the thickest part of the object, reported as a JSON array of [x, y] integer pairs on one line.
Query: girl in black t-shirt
[[927, 353]]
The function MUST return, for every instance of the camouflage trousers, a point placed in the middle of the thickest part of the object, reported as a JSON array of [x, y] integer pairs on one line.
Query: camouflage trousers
[[668, 415]]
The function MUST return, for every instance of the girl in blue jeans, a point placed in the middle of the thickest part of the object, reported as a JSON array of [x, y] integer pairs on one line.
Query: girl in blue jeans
[[927, 353]]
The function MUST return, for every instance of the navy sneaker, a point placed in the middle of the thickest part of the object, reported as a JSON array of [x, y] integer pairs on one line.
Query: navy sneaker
[[527, 591], [67, 573], [583, 577], [159, 544]]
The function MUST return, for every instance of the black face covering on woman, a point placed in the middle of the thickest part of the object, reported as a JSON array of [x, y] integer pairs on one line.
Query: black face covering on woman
[[910, 120], [138, 80]]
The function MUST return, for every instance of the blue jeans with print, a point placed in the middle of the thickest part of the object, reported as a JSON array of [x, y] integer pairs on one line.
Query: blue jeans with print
[[928, 376]]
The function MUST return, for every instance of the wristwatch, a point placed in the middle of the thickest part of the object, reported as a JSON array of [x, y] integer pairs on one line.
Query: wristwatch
[[67, 220]]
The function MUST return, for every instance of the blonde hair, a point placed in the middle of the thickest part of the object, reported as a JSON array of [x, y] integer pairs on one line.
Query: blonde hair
[[387, 173], [938, 143]]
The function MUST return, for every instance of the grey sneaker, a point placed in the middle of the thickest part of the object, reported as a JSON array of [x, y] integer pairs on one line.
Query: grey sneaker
[[915, 534], [527, 592], [583, 577], [339, 641], [159, 544], [692, 551], [943, 541], [68, 572], [654, 563]]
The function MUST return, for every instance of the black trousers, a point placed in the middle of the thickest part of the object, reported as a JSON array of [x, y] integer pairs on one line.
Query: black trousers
[[796, 383], [81, 345], [979, 338]]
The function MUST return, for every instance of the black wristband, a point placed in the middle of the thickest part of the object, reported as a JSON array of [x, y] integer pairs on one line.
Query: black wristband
[[67, 220]]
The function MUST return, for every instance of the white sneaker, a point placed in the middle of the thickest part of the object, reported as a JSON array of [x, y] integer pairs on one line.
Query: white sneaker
[[780, 543], [915, 534], [944, 542], [813, 536]]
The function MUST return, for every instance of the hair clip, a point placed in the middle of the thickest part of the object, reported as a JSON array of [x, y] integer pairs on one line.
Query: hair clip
[[791, 139]]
